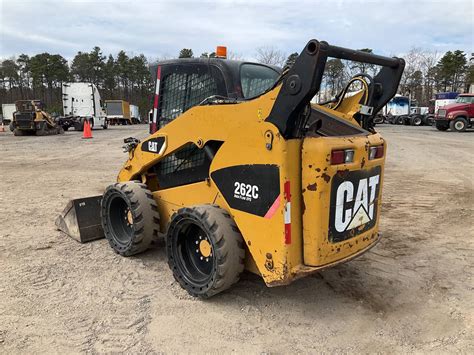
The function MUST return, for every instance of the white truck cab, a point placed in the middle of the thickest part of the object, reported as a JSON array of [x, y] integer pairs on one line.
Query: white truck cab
[[82, 101]]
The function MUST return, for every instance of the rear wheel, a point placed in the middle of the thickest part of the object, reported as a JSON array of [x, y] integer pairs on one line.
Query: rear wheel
[[416, 121], [441, 126], [129, 217], [205, 250], [458, 125]]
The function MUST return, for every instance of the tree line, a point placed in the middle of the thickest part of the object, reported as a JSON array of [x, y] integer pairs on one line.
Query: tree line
[[129, 77], [41, 76], [426, 72]]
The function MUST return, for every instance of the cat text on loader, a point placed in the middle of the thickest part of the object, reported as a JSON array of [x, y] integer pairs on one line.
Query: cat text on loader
[[267, 182]]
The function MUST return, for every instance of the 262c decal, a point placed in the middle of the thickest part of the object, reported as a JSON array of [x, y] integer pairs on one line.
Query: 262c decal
[[245, 191], [249, 188]]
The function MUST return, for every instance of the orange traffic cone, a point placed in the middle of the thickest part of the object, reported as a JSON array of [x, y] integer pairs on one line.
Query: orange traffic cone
[[2, 128], [87, 130]]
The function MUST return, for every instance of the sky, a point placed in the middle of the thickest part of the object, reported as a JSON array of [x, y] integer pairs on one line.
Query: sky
[[160, 29]]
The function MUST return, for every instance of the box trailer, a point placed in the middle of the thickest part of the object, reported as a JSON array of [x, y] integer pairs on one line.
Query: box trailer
[[135, 114], [81, 101], [118, 112], [7, 111]]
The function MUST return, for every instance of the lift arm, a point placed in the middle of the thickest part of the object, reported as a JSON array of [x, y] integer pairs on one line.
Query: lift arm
[[302, 82]]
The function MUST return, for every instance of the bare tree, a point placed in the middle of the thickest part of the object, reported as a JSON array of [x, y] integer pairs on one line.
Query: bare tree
[[234, 56], [271, 56]]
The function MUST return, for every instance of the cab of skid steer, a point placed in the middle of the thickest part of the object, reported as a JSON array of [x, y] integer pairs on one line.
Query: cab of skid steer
[[187, 82]]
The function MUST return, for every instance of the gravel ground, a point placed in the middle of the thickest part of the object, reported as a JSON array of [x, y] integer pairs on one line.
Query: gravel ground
[[412, 293]]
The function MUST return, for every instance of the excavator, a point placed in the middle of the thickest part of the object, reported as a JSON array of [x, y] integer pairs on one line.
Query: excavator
[[242, 171]]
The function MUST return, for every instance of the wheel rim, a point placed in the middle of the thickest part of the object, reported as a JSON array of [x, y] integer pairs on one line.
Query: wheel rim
[[194, 253], [120, 220], [417, 121], [459, 125]]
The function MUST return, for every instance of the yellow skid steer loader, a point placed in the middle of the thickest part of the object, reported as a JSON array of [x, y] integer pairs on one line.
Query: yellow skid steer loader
[[241, 171]]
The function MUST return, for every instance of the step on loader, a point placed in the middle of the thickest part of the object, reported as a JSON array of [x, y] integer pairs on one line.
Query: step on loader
[[30, 118], [242, 171]]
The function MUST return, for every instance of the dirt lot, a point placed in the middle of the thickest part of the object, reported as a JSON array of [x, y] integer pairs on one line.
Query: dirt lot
[[412, 293]]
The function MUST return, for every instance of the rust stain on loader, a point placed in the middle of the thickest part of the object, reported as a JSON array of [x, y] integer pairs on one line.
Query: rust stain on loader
[[326, 177]]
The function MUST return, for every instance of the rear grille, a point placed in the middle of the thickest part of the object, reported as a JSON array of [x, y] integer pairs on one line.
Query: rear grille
[[441, 113], [24, 120], [24, 123]]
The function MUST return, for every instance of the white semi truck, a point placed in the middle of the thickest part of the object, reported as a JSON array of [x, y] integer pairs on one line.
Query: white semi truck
[[81, 101], [7, 112]]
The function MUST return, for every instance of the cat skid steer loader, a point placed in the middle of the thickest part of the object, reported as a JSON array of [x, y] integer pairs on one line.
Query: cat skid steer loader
[[252, 175]]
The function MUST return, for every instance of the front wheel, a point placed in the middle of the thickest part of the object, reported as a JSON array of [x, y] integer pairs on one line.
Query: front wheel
[[205, 250], [441, 126], [18, 132], [458, 125], [129, 217]]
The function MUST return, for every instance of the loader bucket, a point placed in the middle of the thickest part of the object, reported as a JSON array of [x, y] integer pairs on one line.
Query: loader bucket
[[81, 219]]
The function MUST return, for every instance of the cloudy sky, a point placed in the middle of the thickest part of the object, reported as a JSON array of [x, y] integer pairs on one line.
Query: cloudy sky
[[159, 28]]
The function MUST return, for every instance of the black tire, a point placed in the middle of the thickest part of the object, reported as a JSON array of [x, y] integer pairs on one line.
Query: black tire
[[400, 120], [18, 132], [65, 128], [12, 127], [205, 250], [441, 126], [105, 125], [458, 125], [416, 121], [129, 217]]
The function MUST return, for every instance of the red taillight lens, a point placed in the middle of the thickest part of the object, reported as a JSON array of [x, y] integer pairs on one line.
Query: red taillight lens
[[342, 156], [337, 157], [376, 152]]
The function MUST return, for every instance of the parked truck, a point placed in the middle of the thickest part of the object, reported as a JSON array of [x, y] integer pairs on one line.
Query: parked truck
[[135, 114], [81, 101], [457, 116], [7, 112], [118, 112]]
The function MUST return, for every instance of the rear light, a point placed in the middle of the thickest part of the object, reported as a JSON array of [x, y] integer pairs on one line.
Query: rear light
[[342, 156], [376, 152]]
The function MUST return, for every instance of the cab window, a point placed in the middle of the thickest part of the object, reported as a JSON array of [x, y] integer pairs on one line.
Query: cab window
[[465, 99], [256, 79], [185, 87]]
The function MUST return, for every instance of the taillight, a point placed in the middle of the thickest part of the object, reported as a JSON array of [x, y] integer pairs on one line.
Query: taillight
[[342, 156], [376, 152]]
